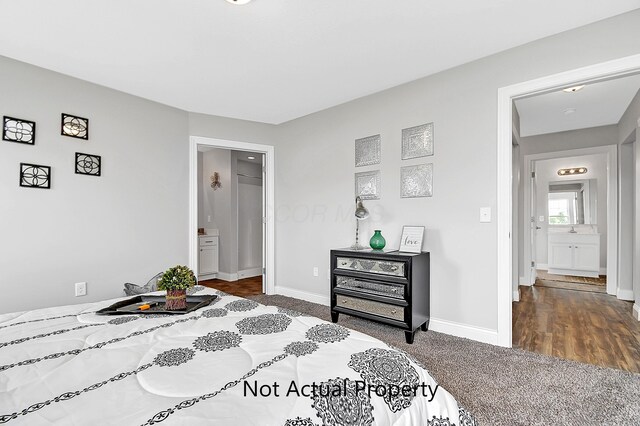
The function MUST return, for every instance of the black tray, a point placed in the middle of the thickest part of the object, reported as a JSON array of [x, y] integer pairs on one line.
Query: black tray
[[130, 306]]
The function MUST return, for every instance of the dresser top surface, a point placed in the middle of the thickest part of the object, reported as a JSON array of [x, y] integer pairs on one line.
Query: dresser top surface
[[368, 252]]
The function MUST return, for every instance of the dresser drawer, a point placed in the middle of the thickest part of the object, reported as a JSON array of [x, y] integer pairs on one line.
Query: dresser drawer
[[382, 267], [382, 289], [371, 307]]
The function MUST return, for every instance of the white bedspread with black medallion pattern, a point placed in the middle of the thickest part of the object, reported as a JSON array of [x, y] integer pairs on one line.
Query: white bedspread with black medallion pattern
[[235, 362]]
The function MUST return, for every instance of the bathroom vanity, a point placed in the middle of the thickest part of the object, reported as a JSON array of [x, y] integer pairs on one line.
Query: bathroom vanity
[[208, 256], [574, 254]]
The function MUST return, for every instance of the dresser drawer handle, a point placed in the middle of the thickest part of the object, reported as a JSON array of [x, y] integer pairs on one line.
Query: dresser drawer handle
[[345, 301], [393, 311]]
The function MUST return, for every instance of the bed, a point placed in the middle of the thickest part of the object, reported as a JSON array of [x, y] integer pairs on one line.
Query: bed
[[234, 362]]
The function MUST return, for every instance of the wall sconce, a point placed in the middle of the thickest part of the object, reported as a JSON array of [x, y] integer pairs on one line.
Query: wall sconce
[[572, 171], [215, 181]]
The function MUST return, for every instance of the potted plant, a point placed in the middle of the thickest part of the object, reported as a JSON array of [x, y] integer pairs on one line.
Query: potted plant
[[176, 281]]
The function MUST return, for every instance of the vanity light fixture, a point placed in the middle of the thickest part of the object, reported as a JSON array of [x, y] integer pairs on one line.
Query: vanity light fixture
[[238, 1], [573, 89], [572, 171]]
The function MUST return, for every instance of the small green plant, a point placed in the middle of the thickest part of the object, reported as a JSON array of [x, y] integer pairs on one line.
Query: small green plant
[[177, 278]]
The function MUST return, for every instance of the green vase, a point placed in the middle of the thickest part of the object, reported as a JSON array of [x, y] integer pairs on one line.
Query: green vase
[[377, 242]]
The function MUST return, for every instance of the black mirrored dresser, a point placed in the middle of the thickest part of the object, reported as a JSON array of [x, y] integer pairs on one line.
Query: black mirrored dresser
[[391, 288]]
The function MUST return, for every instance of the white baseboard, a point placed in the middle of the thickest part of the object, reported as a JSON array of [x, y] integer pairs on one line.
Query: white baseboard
[[523, 281], [303, 295], [227, 277], [636, 311], [248, 273], [442, 326], [207, 277], [603, 271], [542, 266], [516, 295], [625, 295], [479, 334]]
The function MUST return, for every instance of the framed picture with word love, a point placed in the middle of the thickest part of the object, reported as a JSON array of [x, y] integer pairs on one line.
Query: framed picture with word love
[[411, 241]]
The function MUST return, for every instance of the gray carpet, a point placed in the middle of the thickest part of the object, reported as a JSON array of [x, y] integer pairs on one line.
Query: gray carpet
[[502, 386]]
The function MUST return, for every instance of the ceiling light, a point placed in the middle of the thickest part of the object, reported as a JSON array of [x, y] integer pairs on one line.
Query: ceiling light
[[569, 111], [572, 171], [251, 157], [572, 89], [238, 1]]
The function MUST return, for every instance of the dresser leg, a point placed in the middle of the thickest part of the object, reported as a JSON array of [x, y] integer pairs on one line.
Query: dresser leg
[[408, 335], [334, 316], [425, 326]]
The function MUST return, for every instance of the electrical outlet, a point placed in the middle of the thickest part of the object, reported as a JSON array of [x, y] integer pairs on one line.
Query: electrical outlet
[[315, 271], [209, 218], [81, 289]]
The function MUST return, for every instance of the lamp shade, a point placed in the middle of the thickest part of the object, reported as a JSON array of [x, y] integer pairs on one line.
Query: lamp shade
[[361, 211]]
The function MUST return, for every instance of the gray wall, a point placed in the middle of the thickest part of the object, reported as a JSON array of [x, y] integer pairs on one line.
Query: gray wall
[[124, 226], [315, 199]]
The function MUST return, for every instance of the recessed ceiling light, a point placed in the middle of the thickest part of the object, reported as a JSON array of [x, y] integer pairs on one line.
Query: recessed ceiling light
[[238, 1], [251, 157], [569, 111], [572, 89]]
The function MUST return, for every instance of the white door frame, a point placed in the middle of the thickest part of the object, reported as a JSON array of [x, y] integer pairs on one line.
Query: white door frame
[[612, 208], [269, 243], [607, 70]]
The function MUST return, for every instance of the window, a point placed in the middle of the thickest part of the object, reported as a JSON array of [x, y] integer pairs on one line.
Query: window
[[562, 208]]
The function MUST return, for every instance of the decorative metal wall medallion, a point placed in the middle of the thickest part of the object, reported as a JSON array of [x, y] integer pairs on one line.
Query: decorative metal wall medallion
[[417, 141], [18, 130], [35, 176], [88, 164], [368, 151], [416, 181], [75, 127], [368, 185]]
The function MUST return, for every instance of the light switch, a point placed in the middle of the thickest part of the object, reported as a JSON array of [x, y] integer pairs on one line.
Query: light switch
[[485, 214], [541, 219], [315, 271]]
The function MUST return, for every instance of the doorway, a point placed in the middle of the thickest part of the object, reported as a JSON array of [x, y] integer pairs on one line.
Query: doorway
[[506, 95], [247, 250]]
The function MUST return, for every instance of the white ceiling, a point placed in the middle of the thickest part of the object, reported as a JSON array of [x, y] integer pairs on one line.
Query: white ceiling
[[274, 60], [598, 104]]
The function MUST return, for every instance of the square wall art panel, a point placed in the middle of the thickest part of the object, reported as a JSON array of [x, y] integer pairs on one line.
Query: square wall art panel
[[368, 151], [88, 164], [75, 127], [35, 176], [416, 181], [18, 130], [368, 185], [417, 141]]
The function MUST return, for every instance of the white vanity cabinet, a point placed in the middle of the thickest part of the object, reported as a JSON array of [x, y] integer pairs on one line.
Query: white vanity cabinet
[[574, 254], [208, 259]]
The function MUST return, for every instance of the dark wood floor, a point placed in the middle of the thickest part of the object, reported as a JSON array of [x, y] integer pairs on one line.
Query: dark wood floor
[[243, 288], [587, 327]]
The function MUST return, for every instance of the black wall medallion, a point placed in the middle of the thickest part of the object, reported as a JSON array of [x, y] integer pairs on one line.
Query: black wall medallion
[[75, 127], [35, 176], [87, 164], [18, 130]]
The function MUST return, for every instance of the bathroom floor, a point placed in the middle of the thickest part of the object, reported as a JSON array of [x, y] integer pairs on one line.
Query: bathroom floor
[[571, 282]]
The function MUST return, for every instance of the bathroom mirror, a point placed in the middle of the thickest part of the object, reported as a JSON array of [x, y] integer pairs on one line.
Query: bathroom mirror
[[573, 202]]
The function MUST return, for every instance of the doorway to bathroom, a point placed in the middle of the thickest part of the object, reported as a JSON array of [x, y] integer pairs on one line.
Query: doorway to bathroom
[[231, 229]]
